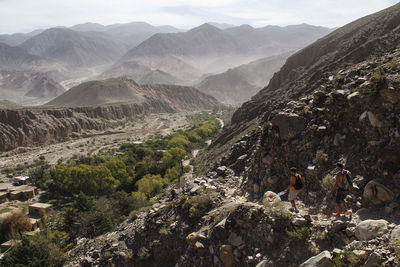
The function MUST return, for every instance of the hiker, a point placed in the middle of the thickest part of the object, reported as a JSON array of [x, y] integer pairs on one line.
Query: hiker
[[295, 186], [342, 187]]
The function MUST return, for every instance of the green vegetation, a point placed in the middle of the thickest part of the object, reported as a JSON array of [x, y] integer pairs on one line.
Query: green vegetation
[[347, 259], [93, 194], [300, 235], [197, 206], [14, 225], [328, 181], [321, 158], [278, 211]]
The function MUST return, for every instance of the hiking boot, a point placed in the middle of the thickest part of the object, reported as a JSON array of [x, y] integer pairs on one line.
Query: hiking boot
[[296, 210], [291, 209], [335, 214]]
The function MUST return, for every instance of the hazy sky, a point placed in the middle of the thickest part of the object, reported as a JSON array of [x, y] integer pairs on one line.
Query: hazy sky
[[27, 15]]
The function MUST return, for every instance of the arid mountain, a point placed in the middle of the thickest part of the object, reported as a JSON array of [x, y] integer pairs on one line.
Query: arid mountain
[[17, 38], [241, 83], [131, 34], [138, 70], [16, 85], [75, 49], [45, 87], [203, 40], [16, 58], [222, 26], [159, 77], [211, 50], [122, 90], [321, 93]]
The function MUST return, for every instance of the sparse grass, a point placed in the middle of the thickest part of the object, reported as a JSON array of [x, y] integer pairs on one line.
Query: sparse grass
[[300, 235], [197, 205], [347, 259], [328, 181], [278, 211], [5, 210], [321, 158]]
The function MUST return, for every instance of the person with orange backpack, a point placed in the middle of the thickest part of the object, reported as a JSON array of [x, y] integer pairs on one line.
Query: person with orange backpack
[[295, 187]]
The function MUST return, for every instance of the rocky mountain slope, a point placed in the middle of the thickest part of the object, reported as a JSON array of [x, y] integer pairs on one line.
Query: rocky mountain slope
[[239, 84], [75, 49], [17, 84], [16, 58], [336, 100], [122, 90]]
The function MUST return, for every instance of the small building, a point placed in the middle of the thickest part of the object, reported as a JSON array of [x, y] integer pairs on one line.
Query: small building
[[9, 244], [35, 209], [6, 187], [22, 180], [23, 192]]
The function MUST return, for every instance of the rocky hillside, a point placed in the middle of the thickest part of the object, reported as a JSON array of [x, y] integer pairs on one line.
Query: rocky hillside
[[239, 84], [122, 90], [336, 100], [37, 126], [75, 49]]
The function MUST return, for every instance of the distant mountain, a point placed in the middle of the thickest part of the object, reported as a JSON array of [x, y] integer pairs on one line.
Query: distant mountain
[[209, 49], [17, 84], [159, 77], [17, 38], [45, 87], [16, 58], [204, 40], [76, 49], [222, 26], [131, 34], [239, 84], [121, 90], [139, 70]]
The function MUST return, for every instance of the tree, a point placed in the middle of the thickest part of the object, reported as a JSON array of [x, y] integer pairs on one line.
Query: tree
[[150, 185], [15, 224]]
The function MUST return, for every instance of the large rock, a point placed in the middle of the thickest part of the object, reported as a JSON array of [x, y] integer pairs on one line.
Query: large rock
[[270, 198], [193, 238], [377, 194], [373, 260], [395, 233], [324, 259], [226, 255], [289, 124], [370, 229]]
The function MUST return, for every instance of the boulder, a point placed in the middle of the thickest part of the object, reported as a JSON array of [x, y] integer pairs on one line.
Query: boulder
[[226, 255], [272, 180], [324, 259], [370, 229], [377, 194], [338, 225], [289, 124], [373, 260], [299, 221], [395, 233], [270, 198], [193, 238]]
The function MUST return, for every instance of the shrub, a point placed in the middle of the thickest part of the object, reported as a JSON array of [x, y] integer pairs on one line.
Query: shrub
[[300, 235], [328, 181], [197, 206], [27, 253], [15, 224], [278, 211], [178, 140], [150, 185], [321, 158]]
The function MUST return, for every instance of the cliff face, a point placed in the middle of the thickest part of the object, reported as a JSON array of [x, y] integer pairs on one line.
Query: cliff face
[[27, 127]]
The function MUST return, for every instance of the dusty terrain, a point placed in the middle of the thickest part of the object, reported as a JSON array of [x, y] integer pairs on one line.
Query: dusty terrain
[[94, 141]]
